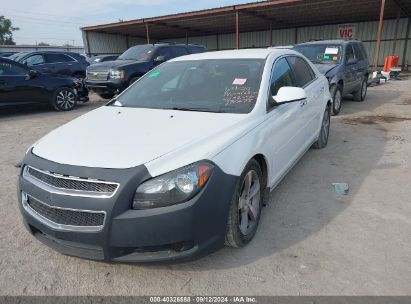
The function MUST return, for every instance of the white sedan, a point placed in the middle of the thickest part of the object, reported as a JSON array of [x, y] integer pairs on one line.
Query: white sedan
[[181, 162]]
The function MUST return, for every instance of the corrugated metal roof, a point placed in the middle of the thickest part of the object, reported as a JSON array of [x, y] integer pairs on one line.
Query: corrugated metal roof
[[257, 16]]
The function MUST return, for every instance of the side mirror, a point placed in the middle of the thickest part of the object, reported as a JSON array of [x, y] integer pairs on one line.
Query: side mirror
[[289, 94], [24, 62], [31, 74], [159, 59]]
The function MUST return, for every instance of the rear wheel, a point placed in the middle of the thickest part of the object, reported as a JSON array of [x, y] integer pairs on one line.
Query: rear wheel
[[336, 94], [64, 99], [106, 95], [362, 92], [245, 208], [322, 140]]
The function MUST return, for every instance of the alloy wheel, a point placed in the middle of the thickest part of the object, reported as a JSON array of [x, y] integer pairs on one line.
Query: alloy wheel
[[337, 100], [249, 202], [325, 130], [65, 99]]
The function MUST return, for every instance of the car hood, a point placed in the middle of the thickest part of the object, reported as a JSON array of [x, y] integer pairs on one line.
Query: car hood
[[325, 68], [116, 137], [106, 65]]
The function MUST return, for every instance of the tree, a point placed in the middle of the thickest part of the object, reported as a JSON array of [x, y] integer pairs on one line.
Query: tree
[[43, 44], [6, 31]]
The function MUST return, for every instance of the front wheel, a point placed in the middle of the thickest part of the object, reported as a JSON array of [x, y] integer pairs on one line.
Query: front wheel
[[336, 94], [245, 208], [64, 99], [322, 140]]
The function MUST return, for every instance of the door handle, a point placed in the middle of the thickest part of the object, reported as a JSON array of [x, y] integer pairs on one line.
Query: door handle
[[303, 102]]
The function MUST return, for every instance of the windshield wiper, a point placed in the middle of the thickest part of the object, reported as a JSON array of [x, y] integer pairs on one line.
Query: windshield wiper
[[192, 109]]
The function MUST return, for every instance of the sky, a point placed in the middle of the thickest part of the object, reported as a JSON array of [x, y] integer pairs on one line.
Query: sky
[[58, 21]]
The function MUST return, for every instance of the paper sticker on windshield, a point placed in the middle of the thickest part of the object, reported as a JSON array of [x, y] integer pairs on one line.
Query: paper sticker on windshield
[[154, 74], [331, 51], [239, 81]]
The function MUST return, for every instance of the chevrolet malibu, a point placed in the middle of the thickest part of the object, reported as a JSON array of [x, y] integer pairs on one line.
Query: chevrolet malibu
[[181, 162]]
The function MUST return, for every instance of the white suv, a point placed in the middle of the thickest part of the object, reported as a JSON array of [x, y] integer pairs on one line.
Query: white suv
[[178, 164]]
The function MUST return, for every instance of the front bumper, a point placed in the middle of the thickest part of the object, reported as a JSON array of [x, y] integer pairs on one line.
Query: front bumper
[[110, 86], [179, 232]]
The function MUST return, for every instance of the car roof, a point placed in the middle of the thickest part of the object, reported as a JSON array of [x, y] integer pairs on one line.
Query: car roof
[[236, 54], [330, 41]]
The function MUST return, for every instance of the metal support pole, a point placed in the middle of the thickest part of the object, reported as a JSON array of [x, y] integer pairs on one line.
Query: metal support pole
[[407, 36], [88, 44], [296, 35], [127, 41], [377, 53], [237, 31], [148, 34], [216, 42], [394, 44], [186, 37], [271, 34]]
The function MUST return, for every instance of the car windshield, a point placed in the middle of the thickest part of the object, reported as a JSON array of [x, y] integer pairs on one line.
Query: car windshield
[[139, 53], [218, 85], [321, 53]]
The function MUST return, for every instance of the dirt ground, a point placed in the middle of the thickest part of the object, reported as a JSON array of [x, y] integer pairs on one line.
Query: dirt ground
[[310, 242]]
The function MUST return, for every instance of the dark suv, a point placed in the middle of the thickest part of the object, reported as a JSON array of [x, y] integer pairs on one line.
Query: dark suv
[[344, 63], [111, 77], [53, 62]]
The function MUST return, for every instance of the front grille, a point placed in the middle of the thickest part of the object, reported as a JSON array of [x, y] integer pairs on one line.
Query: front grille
[[66, 216], [70, 183], [101, 75]]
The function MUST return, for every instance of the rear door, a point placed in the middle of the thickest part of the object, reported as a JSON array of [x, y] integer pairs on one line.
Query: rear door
[[60, 63], [15, 85], [306, 79]]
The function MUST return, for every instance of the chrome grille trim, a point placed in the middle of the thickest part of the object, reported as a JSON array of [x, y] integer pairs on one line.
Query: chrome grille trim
[[60, 184], [56, 226]]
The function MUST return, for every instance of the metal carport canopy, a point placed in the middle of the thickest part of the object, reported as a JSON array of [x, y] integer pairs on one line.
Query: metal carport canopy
[[256, 16]]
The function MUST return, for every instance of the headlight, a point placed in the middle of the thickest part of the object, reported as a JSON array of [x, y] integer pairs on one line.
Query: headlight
[[117, 74], [172, 188]]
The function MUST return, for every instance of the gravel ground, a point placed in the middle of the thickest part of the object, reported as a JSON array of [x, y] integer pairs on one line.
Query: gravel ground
[[310, 242]]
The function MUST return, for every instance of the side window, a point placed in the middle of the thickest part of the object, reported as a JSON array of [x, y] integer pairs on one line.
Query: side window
[[10, 69], [302, 71], [179, 51], [349, 53], [164, 51], [57, 58], [358, 52], [34, 60], [281, 76]]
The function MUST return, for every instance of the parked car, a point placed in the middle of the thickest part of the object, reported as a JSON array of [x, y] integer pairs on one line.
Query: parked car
[[344, 63], [112, 77], [20, 85], [53, 62], [101, 58], [181, 162], [6, 54]]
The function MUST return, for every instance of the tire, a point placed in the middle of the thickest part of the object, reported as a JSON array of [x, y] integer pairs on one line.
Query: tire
[[362, 92], [336, 94], [106, 95], [322, 140], [244, 213], [64, 99]]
